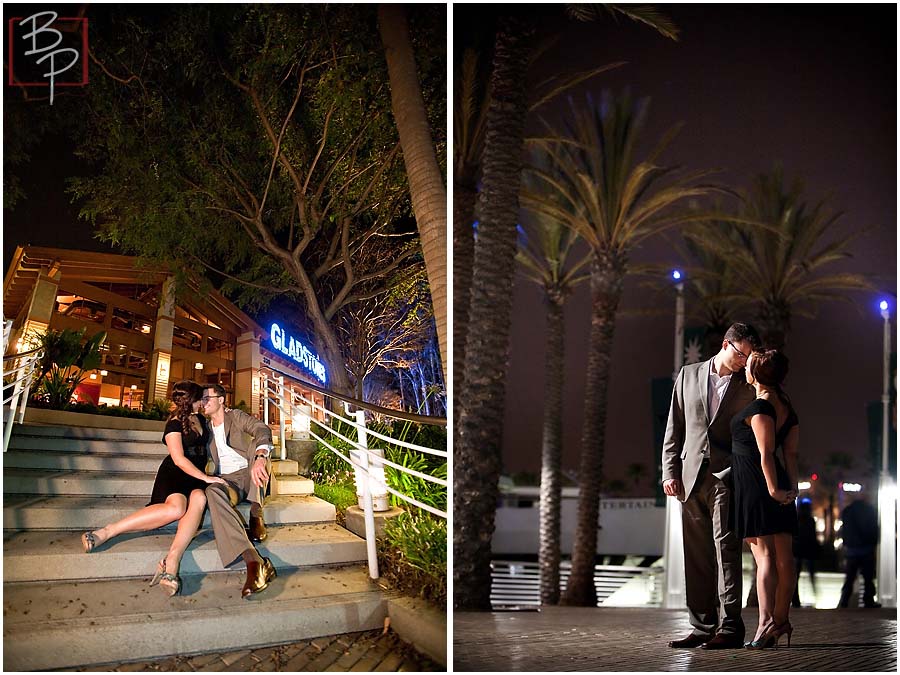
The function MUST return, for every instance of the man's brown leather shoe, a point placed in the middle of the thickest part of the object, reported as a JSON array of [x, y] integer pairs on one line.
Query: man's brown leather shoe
[[258, 577], [691, 641], [257, 530], [721, 641]]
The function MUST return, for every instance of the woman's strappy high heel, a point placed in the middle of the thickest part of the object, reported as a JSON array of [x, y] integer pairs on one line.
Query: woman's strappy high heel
[[766, 638], [782, 629]]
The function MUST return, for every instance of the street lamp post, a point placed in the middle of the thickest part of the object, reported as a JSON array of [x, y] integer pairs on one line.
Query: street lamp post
[[887, 491], [673, 547]]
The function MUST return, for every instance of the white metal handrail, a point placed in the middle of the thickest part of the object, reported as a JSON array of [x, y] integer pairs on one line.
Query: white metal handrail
[[23, 371], [367, 463]]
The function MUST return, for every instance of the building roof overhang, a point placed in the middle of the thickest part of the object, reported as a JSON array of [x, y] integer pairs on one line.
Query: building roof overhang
[[30, 262]]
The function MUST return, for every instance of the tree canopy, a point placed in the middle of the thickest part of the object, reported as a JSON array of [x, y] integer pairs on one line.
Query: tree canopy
[[255, 143]]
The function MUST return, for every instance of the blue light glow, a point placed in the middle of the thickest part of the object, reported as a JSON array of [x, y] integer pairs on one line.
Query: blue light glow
[[676, 275], [883, 305]]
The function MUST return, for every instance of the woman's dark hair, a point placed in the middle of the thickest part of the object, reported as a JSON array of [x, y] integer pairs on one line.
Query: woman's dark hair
[[770, 367], [184, 394]]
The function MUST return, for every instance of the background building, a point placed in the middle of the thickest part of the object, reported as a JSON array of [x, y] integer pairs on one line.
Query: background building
[[153, 340]]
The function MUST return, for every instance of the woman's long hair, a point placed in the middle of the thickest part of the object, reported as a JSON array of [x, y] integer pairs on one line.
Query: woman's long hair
[[770, 367], [184, 394]]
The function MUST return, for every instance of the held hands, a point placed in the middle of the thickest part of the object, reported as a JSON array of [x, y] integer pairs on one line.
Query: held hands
[[783, 496], [258, 473]]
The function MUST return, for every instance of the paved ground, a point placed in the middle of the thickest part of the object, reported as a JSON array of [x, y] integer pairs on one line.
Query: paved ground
[[615, 639], [362, 652]]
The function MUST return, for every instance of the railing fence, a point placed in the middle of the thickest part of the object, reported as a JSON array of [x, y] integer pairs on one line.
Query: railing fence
[[367, 463]]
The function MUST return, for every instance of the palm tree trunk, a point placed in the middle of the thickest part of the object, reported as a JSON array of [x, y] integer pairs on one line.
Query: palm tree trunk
[[464, 199], [551, 484], [426, 185], [477, 453], [607, 273]]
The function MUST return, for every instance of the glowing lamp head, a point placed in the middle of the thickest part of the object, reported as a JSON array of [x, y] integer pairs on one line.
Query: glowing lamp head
[[883, 305], [676, 275]]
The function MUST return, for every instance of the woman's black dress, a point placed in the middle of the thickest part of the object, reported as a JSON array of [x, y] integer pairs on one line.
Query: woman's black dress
[[756, 513], [172, 480]]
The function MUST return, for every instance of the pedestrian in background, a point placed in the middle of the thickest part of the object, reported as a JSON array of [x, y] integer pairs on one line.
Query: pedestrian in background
[[806, 548], [860, 533]]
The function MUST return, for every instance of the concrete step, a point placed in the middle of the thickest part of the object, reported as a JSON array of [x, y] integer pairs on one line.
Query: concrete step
[[30, 512], [49, 482], [123, 483], [69, 624], [96, 461], [89, 445], [56, 555], [65, 431]]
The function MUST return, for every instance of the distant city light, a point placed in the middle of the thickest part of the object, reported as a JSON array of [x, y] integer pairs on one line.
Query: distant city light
[[804, 485], [852, 487]]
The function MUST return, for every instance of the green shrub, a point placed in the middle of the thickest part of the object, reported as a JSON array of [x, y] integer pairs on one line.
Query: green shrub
[[413, 555], [159, 409]]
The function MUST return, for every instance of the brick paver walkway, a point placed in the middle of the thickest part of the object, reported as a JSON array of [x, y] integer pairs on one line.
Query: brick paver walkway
[[616, 639], [369, 651]]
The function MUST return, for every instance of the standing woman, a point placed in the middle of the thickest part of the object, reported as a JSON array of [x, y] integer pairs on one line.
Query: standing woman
[[179, 490], [765, 487]]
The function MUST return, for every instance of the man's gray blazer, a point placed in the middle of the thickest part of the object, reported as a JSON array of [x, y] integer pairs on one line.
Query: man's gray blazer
[[691, 436]]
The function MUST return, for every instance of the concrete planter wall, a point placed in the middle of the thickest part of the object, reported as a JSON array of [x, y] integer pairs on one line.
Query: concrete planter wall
[[75, 419]]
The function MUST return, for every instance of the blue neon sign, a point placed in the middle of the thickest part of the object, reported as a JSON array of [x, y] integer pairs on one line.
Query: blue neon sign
[[297, 351]]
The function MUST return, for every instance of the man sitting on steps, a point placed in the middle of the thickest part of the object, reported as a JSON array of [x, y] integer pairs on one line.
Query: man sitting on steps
[[239, 446]]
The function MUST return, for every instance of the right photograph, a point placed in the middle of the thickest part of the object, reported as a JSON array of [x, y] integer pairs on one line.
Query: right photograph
[[674, 337]]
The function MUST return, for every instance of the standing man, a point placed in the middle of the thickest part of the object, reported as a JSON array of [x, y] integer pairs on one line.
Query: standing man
[[696, 460], [861, 533], [239, 447]]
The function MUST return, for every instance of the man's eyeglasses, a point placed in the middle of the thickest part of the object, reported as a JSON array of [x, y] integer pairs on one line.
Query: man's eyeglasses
[[739, 352], [205, 399]]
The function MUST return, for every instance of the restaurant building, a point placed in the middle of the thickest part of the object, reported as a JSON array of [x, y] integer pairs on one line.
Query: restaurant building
[[153, 339]]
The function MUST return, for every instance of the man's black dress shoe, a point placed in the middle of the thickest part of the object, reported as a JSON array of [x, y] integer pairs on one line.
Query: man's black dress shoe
[[691, 641], [721, 641], [257, 530], [258, 577]]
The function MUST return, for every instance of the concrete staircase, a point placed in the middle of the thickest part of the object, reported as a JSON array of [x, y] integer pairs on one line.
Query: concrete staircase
[[64, 608]]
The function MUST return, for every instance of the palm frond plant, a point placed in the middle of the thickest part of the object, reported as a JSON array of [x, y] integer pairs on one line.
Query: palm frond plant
[[598, 188], [780, 251], [65, 363]]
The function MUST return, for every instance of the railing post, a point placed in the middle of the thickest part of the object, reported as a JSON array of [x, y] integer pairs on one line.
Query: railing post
[[8, 423], [284, 410], [25, 394], [265, 395], [368, 506]]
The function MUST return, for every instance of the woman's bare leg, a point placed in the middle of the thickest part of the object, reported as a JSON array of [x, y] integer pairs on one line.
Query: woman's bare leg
[[148, 518], [784, 562], [765, 579], [187, 528]]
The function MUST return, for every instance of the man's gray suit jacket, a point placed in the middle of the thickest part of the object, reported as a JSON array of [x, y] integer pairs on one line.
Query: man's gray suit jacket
[[690, 435]]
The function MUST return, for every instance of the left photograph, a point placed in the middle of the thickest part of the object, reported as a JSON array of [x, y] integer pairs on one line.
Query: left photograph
[[224, 333]]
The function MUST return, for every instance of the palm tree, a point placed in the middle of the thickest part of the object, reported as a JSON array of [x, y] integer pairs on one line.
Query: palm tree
[[776, 252], [426, 185], [545, 258], [600, 191], [481, 394]]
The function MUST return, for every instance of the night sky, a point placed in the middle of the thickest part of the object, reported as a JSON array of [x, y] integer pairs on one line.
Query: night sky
[[811, 86]]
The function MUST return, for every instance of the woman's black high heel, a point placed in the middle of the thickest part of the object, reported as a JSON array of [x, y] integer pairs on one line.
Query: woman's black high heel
[[766, 639], [782, 629]]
